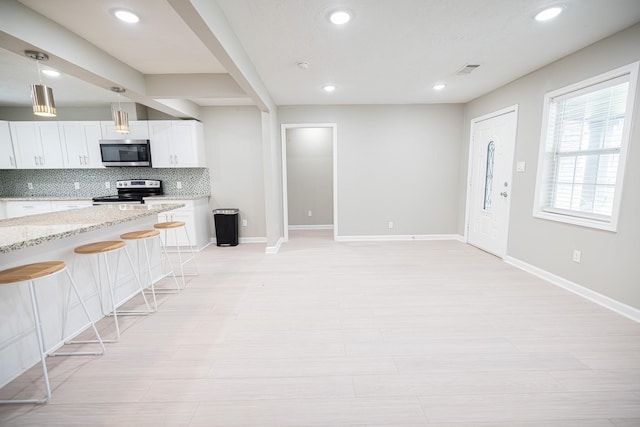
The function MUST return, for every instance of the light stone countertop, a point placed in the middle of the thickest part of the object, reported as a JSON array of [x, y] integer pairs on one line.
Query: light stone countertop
[[178, 197], [32, 230]]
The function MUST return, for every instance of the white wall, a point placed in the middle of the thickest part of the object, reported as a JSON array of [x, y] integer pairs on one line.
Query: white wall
[[396, 163], [610, 261], [310, 176], [233, 137]]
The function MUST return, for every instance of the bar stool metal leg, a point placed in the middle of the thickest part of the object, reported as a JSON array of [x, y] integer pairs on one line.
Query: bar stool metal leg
[[29, 273], [102, 250]]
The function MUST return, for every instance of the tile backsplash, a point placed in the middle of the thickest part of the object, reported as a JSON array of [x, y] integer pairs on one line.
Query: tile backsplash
[[61, 182]]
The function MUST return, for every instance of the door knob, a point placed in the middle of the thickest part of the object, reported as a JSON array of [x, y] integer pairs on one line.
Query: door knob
[[504, 194]]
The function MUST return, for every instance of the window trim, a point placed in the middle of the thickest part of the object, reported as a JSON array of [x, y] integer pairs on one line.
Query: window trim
[[574, 217]]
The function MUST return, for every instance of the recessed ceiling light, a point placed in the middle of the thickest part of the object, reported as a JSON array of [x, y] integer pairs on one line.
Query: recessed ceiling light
[[439, 86], [340, 17], [126, 16], [548, 14], [51, 73], [329, 87]]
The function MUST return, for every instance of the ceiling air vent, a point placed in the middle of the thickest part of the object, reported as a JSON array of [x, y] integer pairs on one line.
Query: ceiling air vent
[[467, 69]]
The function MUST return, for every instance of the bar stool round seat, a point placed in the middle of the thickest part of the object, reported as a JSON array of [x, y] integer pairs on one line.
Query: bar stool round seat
[[29, 273], [100, 247], [169, 224], [136, 235], [104, 248], [143, 236]]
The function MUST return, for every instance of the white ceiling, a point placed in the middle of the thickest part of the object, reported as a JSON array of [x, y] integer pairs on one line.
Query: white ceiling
[[393, 51]]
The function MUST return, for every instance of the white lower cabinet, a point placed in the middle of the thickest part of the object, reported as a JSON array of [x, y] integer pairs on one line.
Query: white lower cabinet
[[25, 208], [70, 204], [195, 215]]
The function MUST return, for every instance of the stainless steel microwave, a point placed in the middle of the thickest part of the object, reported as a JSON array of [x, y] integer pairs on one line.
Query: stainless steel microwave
[[125, 152]]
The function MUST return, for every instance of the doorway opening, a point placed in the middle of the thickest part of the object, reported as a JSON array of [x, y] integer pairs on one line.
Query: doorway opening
[[309, 178]]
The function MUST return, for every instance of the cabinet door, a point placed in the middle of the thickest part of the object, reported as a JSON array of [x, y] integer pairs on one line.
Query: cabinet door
[[7, 159], [81, 144], [37, 145], [70, 204], [161, 138], [138, 130], [189, 142], [50, 145], [24, 208], [27, 145]]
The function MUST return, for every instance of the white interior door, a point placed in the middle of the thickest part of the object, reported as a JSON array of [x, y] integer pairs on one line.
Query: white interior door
[[491, 163]]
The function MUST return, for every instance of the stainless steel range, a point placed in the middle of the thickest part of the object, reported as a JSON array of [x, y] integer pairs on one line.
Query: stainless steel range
[[132, 191]]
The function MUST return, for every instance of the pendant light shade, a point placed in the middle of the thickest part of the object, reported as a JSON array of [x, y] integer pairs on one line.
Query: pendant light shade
[[122, 121], [121, 118], [41, 95], [43, 104]]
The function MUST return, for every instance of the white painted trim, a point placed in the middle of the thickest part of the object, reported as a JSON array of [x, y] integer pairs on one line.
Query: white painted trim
[[400, 238], [311, 227], [285, 200], [253, 240], [467, 215], [593, 296], [242, 240], [272, 250], [577, 218]]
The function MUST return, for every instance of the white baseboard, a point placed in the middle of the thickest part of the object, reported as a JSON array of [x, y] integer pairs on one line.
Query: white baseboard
[[242, 240], [274, 249], [253, 240], [311, 227], [399, 238], [593, 296]]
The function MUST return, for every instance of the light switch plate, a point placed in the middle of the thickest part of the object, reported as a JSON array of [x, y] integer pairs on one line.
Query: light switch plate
[[521, 166]]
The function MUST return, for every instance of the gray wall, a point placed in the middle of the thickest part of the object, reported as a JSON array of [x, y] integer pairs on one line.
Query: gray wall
[[610, 261], [397, 163], [234, 155], [310, 176]]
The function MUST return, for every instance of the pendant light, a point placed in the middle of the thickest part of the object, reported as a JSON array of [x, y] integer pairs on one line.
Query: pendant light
[[41, 95], [120, 117]]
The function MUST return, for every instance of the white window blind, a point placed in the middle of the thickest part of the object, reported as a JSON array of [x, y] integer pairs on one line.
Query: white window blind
[[584, 141]]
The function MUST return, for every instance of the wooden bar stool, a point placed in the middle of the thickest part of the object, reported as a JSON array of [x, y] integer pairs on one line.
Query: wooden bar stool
[[104, 249], [144, 236], [30, 273], [174, 226]]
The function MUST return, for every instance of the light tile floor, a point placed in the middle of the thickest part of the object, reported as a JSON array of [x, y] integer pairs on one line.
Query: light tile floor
[[353, 334]]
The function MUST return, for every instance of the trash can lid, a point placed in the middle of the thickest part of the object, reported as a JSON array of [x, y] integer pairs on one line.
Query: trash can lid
[[226, 211]]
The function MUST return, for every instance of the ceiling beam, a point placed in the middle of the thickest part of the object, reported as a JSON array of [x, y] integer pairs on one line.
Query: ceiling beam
[[207, 20]]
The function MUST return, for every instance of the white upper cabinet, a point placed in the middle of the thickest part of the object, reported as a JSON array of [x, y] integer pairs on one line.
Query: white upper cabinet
[[177, 144], [138, 130], [7, 158], [81, 144], [37, 145]]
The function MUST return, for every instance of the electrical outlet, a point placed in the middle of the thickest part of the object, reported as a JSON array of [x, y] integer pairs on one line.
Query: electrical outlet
[[309, 213], [107, 184], [577, 255], [30, 186], [390, 224], [76, 185], [178, 185], [244, 223]]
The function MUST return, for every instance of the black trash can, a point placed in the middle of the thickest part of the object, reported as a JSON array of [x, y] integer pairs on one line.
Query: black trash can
[[226, 222]]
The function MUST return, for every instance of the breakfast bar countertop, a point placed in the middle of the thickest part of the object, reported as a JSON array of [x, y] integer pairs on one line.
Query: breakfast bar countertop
[[32, 230]]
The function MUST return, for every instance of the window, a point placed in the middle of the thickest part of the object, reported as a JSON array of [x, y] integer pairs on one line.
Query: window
[[585, 134], [488, 176]]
